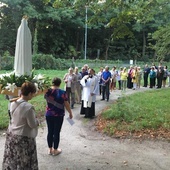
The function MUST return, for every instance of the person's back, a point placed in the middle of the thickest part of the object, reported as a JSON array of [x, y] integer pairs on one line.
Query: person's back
[[20, 146], [57, 101], [23, 120]]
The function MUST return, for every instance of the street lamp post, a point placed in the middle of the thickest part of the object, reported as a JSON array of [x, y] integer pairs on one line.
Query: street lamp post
[[85, 36]]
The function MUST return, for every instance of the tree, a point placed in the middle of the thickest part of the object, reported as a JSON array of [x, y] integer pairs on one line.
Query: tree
[[121, 29]]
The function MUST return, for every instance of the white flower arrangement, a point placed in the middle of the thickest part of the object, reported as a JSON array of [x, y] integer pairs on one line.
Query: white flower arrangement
[[10, 81]]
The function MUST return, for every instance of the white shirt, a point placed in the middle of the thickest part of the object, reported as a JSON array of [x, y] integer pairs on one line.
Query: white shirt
[[91, 86]]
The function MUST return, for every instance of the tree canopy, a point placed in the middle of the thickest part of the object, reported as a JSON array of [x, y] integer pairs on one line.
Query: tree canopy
[[119, 29]]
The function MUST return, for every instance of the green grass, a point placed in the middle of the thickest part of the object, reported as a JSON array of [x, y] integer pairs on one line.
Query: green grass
[[148, 110]]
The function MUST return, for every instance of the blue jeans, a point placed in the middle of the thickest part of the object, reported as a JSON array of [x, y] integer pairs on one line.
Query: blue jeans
[[54, 125]]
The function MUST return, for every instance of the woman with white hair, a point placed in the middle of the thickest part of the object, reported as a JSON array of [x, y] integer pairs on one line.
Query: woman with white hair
[[70, 80]]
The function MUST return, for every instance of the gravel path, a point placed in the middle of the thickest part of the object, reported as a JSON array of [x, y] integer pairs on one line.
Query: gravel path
[[86, 149]]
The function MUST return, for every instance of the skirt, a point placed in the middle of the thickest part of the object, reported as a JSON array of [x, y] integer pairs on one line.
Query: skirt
[[20, 153]]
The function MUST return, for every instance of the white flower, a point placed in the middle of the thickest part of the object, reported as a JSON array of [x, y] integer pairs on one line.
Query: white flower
[[10, 81], [1, 76], [36, 85], [39, 77], [11, 87]]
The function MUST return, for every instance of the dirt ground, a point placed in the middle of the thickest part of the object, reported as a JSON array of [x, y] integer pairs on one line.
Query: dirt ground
[[84, 148]]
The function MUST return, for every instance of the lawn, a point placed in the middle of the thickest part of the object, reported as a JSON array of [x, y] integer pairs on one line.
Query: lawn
[[141, 115]]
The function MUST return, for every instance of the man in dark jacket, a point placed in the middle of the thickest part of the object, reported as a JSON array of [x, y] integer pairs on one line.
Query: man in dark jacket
[[146, 72]]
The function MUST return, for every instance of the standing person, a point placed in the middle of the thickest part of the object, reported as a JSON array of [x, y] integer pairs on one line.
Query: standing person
[[90, 90], [139, 77], [129, 79], [165, 76], [135, 77], [152, 76], [168, 78], [78, 86], [83, 72], [123, 77], [86, 67], [106, 76], [146, 72], [100, 79], [20, 146], [70, 80], [57, 101], [118, 78], [113, 79], [160, 73]]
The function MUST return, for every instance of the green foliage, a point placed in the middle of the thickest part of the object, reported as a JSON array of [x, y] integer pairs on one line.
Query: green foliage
[[35, 43], [119, 29], [7, 61], [9, 80], [138, 111], [162, 46], [72, 51], [42, 61]]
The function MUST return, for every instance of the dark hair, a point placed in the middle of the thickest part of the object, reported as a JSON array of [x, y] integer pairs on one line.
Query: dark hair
[[27, 88], [56, 81]]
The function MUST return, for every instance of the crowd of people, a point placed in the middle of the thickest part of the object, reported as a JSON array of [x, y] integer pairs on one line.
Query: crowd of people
[[81, 87], [131, 78], [84, 85], [111, 79]]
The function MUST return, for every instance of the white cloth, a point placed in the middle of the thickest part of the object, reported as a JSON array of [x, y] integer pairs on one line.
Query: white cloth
[[23, 50], [89, 87]]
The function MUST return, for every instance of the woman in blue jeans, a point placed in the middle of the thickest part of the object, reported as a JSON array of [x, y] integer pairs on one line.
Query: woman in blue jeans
[[57, 101]]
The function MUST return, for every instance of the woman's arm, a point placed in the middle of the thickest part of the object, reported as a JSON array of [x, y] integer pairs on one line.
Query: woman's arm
[[31, 119], [67, 106]]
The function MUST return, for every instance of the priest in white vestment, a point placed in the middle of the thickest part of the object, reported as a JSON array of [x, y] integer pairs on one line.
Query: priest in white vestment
[[90, 90]]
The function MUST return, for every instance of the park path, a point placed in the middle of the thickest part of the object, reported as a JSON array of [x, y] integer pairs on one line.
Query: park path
[[86, 149]]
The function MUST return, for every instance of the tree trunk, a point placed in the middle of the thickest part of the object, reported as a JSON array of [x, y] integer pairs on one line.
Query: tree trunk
[[107, 49], [77, 40], [35, 40], [144, 44]]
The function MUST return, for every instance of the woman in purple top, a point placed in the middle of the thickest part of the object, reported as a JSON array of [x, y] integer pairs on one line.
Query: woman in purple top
[[57, 101]]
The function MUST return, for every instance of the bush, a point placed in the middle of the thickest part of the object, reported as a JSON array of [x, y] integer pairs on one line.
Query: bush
[[7, 61], [47, 61], [42, 61]]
